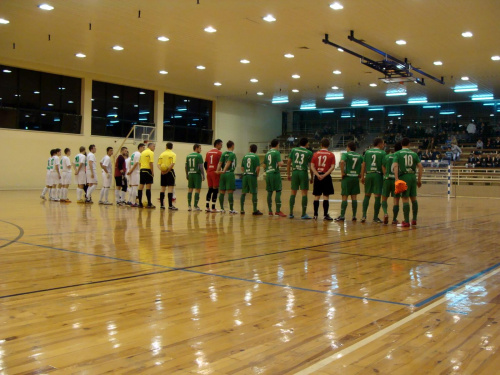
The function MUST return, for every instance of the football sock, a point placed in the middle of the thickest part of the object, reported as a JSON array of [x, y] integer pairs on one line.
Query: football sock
[[292, 203], [117, 196], [50, 192], [343, 207], [106, 194], [278, 201], [254, 201], [101, 196], [395, 211], [162, 199], [190, 196], [354, 208], [304, 204], [139, 196], [78, 193], [366, 203], [221, 201], [270, 201], [406, 212], [90, 190], [170, 199], [196, 199], [44, 191], [209, 196], [242, 201], [326, 206], [65, 193], [384, 207], [376, 207], [316, 206], [231, 200], [148, 195], [414, 209], [122, 195], [214, 197]]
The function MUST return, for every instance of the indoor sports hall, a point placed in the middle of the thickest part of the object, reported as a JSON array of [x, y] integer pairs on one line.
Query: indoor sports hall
[[110, 288]]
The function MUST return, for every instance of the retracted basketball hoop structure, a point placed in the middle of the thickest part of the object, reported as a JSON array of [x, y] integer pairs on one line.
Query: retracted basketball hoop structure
[[393, 69]]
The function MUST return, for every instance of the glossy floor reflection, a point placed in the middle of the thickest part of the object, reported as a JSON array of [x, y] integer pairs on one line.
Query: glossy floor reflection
[[95, 289]]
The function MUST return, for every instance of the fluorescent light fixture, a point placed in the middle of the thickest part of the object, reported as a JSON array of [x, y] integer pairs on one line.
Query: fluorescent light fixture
[[337, 72], [163, 72], [467, 34], [245, 61], [45, 7], [295, 90], [376, 109], [438, 63], [495, 58], [217, 84], [482, 97], [118, 48], [464, 78], [115, 107], [359, 103], [394, 114], [50, 105], [36, 92], [200, 67], [116, 97], [336, 6], [254, 80], [3, 21], [163, 39], [142, 93], [335, 87], [417, 100], [339, 96], [279, 99], [7, 71], [269, 18], [80, 55], [307, 106], [295, 76], [489, 104], [260, 93], [327, 111], [289, 56], [144, 112], [373, 85], [210, 29], [431, 106], [340, 50], [395, 93], [401, 42], [447, 112], [465, 88]]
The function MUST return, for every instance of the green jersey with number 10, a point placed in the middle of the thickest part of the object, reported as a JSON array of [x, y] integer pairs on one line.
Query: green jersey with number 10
[[407, 161], [301, 158]]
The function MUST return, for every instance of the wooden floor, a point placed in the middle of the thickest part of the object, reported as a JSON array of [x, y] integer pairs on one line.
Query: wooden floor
[[104, 289]]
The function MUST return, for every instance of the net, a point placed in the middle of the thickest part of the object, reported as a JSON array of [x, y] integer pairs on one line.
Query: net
[[437, 179]]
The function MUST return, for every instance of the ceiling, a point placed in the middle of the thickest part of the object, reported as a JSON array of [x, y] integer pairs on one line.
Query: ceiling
[[431, 28]]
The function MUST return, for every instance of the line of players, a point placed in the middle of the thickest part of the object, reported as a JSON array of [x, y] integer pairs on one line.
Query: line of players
[[377, 170]]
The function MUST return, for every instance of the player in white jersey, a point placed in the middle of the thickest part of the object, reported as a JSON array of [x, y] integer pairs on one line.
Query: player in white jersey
[[107, 175], [126, 182], [48, 175], [134, 173], [55, 176], [81, 178], [91, 172], [65, 169]]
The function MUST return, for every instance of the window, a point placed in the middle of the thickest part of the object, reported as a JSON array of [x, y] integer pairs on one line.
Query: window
[[33, 100], [116, 108], [187, 119]]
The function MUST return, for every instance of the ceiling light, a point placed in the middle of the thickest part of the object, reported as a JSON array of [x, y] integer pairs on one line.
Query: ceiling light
[[359, 103], [431, 106], [373, 84], [210, 29], [7, 71], [334, 96], [36, 92], [336, 6], [376, 109], [163, 39], [163, 72], [116, 97], [254, 80], [295, 90], [335, 87], [438, 63], [50, 105], [482, 97], [269, 18], [447, 112], [142, 93], [245, 61], [3, 21], [340, 50], [465, 78], [260, 93], [395, 93], [280, 99], [80, 55], [401, 42], [200, 67], [495, 58], [295, 76], [465, 88], [217, 84], [417, 100], [118, 48], [337, 72], [467, 34], [289, 56], [45, 7]]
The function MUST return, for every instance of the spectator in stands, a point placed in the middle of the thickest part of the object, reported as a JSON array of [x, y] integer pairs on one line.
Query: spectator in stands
[[436, 155], [484, 160], [462, 137], [471, 128], [398, 138], [317, 136], [456, 151], [448, 155], [291, 140], [479, 144], [425, 144], [488, 143], [471, 160], [497, 142]]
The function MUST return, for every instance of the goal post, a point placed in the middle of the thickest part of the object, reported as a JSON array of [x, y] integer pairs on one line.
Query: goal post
[[437, 179]]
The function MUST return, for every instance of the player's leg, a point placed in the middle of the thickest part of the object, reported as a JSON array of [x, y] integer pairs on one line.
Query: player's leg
[[245, 188], [377, 191], [141, 187], [317, 191], [190, 195], [118, 190], [395, 209], [385, 195], [170, 193], [231, 187], [269, 190], [197, 193], [414, 202], [327, 191], [222, 187], [253, 190]]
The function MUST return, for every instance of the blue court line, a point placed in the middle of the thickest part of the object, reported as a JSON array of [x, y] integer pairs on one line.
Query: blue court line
[[457, 312], [456, 286]]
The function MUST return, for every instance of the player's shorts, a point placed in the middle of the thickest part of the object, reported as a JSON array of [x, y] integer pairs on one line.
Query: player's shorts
[[273, 181], [350, 186], [194, 181], [120, 181], [227, 181], [146, 177], [48, 179], [213, 179], [323, 187], [249, 184], [167, 179], [411, 182], [388, 188], [65, 178], [124, 184], [135, 178], [81, 178], [373, 183], [300, 180], [106, 180], [54, 178], [91, 180]]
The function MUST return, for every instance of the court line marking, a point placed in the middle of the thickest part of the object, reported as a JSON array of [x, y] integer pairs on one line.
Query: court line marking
[[342, 353], [19, 236]]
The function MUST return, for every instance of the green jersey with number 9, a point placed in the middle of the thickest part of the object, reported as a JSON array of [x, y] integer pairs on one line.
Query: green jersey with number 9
[[301, 158], [407, 161], [271, 160]]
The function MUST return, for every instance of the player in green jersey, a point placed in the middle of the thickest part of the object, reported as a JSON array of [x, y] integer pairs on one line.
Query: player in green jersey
[[195, 174], [350, 169], [250, 166], [225, 168], [388, 186], [299, 161], [372, 178], [272, 162], [406, 165]]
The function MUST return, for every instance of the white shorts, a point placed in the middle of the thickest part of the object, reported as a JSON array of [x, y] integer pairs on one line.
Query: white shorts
[[134, 179], [91, 180], [65, 178], [81, 178], [48, 179], [106, 180], [54, 178]]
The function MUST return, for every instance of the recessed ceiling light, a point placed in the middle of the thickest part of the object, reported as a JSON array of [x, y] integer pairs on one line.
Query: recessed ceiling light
[[337, 72], [373, 84], [438, 63], [45, 7], [254, 80], [200, 67], [289, 56], [336, 6], [142, 93], [3, 21], [465, 78], [269, 18], [340, 50], [50, 105], [80, 55], [163, 39], [210, 29], [245, 61], [335, 87], [217, 84], [163, 72], [118, 48], [495, 58], [467, 34], [116, 97], [7, 71], [260, 93], [36, 92], [401, 42], [295, 76], [95, 110], [295, 90]]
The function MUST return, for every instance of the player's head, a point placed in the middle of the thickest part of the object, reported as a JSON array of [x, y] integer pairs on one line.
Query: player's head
[[109, 151], [405, 142], [253, 148], [303, 142], [170, 145], [92, 148], [398, 146], [82, 149], [197, 147], [351, 146], [58, 151], [67, 151], [325, 143], [218, 144], [152, 146], [275, 142], [230, 145], [141, 147], [124, 151], [52, 152], [378, 142]]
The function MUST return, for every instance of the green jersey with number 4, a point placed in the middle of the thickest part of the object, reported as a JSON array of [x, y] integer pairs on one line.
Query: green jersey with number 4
[[250, 162], [407, 161], [389, 168], [228, 156], [193, 161], [301, 158], [353, 162], [271, 160], [374, 158]]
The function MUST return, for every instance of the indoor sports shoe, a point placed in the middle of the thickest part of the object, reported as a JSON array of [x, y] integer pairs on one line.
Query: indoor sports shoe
[[80, 201], [173, 208], [271, 213], [190, 209], [101, 202], [395, 222], [197, 209], [134, 205], [162, 207], [315, 217], [328, 218], [140, 205], [150, 206], [257, 213], [43, 197], [106, 203], [233, 212], [363, 219], [306, 217], [414, 222], [280, 214], [377, 220], [354, 219], [242, 212], [340, 218], [404, 224], [386, 219], [291, 216]]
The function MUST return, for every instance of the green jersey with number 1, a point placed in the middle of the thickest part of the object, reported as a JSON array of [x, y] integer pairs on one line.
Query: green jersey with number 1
[[407, 161], [301, 158]]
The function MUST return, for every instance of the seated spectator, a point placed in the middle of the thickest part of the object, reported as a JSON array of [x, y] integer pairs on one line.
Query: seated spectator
[[471, 161], [448, 155], [291, 140], [317, 136], [484, 160], [456, 151], [471, 128], [479, 144], [436, 155], [398, 138]]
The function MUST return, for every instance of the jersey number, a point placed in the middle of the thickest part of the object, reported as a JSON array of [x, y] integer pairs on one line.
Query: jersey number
[[354, 161], [374, 160], [249, 163], [408, 160], [191, 163], [270, 159], [322, 161], [297, 157]]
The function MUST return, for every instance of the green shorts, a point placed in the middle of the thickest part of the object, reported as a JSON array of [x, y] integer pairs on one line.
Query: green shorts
[[411, 182], [227, 181], [194, 181], [350, 186], [249, 184], [300, 180], [388, 188], [373, 183], [273, 181]]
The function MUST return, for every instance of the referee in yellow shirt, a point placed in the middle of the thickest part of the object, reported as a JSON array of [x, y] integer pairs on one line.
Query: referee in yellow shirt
[[167, 158], [147, 174]]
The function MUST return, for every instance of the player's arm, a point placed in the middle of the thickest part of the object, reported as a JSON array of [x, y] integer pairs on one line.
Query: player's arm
[[186, 169], [257, 171], [152, 167], [219, 166], [132, 169], [288, 166], [201, 166], [310, 165], [420, 171], [384, 169], [227, 166], [363, 168], [314, 171], [395, 167], [91, 166], [160, 162], [342, 168]]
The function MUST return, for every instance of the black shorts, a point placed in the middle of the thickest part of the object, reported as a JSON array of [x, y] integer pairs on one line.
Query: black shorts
[[146, 177], [323, 187], [168, 179], [119, 181]]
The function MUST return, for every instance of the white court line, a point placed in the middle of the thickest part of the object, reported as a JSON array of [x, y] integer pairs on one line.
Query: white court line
[[325, 362]]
